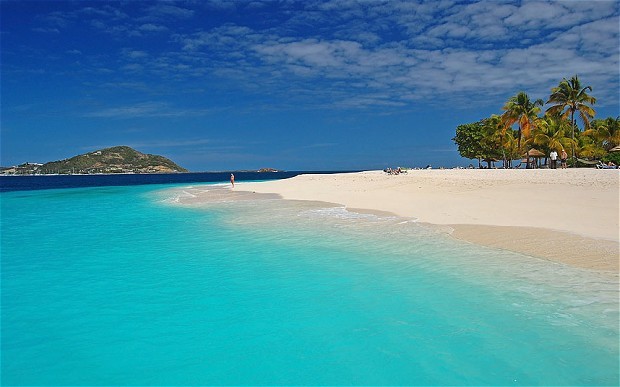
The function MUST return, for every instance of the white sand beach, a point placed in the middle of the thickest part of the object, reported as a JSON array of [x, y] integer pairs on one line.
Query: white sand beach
[[565, 215]]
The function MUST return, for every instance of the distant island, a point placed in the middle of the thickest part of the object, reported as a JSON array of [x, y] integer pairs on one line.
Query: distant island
[[118, 159]]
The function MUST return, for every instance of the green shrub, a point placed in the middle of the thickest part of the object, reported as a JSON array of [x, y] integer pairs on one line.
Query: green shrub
[[614, 157]]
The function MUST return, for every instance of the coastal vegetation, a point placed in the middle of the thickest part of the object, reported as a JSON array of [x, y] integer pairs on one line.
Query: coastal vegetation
[[523, 130]]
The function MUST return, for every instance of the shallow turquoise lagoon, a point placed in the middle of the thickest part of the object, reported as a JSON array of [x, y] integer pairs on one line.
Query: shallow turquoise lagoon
[[141, 285]]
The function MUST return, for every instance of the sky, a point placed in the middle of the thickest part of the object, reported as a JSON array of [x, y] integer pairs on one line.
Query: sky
[[293, 85]]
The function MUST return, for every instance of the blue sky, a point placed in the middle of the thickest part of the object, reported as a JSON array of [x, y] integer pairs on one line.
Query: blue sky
[[296, 85]]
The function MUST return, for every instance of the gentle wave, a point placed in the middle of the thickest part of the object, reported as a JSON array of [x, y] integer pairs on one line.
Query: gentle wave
[[337, 212]]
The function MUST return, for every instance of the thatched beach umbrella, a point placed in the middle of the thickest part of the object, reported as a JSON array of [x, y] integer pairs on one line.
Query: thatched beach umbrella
[[534, 154], [615, 149]]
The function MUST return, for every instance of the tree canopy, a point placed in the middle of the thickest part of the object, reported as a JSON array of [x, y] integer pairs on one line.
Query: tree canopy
[[521, 127]]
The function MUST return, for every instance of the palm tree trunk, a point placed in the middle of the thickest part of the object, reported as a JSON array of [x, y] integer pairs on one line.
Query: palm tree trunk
[[501, 140], [572, 122], [527, 155], [527, 158]]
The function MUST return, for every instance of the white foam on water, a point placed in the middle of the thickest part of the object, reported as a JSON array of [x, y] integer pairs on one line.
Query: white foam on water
[[571, 292], [336, 212], [175, 195]]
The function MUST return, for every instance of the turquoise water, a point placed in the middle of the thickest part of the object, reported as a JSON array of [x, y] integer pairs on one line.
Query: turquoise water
[[149, 285]]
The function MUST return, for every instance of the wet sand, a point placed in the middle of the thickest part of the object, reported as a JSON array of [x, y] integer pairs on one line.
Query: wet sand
[[568, 216]]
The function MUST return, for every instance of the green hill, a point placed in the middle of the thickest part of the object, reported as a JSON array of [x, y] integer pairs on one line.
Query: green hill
[[118, 159]]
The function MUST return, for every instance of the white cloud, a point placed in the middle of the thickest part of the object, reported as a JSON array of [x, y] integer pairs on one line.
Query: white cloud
[[310, 52], [140, 110], [132, 67], [46, 30], [98, 24], [135, 54], [146, 110], [348, 53], [169, 10], [104, 11], [149, 27]]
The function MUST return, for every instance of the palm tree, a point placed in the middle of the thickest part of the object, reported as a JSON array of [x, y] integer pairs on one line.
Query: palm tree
[[570, 98], [589, 148], [511, 147], [494, 134], [521, 109], [606, 132], [551, 134]]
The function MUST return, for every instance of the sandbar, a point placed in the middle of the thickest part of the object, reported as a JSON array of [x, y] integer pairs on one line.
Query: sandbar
[[569, 216]]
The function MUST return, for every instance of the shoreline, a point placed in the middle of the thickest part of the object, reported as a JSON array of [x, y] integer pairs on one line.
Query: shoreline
[[566, 216], [556, 246]]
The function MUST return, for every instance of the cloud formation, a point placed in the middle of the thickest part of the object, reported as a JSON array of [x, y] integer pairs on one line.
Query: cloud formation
[[407, 51], [146, 110], [346, 53]]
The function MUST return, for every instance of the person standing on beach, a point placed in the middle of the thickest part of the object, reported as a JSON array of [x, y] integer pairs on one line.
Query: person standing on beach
[[563, 157], [232, 180], [554, 157]]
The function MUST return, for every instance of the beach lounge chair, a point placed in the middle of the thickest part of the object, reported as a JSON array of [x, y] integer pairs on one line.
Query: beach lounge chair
[[601, 165]]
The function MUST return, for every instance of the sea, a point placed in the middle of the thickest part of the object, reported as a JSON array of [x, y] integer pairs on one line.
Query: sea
[[181, 280]]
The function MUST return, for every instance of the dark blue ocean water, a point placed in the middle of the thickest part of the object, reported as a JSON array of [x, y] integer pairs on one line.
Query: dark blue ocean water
[[23, 183]]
